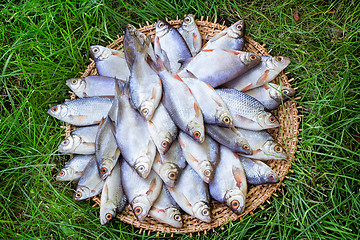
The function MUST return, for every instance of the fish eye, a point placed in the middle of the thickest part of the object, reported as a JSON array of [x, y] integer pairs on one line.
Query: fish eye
[[78, 194], [164, 144], [278, 59], [197, 134], [130, 27], [172, 175], [246, 147], [177, 217], [108, 216], [278, 149], [54, 109], [271, 176], [62, 173], [138, 210], [65, 142], [285, 91], [207, 173], [74, 81], [253, 57], [235, 204], [145, 111], [103, 170], [239, 27], [141, 168], [226, 120], [272, 119], [95, 50], [205, 212], [187, 19], [161, 25]]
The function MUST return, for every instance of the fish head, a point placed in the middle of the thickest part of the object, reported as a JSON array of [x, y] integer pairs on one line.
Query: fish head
[[280, 93], [189, 23], [237, 30], [81, 193], [143, 166], [196, 130], [201, 210], [130, 30], [277, 63], [100, 53], [206, 171], [76, 84], [267, 120], [107, 212], [162, 28], [235, 200], [269, 176], [58, 111], [141, 206], [274, 149], [248, 59], [69, 144], [147, 109], [169, 172], [65, 174], [105, 167], [164, 141], [223, 117], [244, 145], [173, 217]]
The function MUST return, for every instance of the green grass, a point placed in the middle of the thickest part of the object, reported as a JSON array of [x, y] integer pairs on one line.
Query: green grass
[[44, 43]]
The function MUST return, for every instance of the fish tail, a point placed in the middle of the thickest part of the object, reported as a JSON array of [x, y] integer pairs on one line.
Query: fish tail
[[158, 66]]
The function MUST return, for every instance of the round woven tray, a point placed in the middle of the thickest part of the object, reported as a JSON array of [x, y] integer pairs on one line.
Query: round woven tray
[[286, 135]]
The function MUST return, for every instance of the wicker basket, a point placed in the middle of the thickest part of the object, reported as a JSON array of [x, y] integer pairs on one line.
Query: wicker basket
[[286, 135]]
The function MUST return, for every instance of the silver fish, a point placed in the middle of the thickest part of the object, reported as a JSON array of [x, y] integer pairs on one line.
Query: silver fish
[[229, 38], [271, 95], [202, 157], [162, 129], [165, 210], [263, 145], [218, 66], [191, 34], [229, 184], [229, 137], [110, 62], [258, 172], [82, 111], [169, 165], [90, 183], [265, 72], [92, 86], [106, 150], [191, 193], [81, 141], [132, 135], [141, 193], [247, 112], [73, 170], [113, 199], [170, 46], [180, 103]]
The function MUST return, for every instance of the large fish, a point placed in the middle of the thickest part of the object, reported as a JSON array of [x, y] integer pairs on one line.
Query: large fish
[[202, 157], [191, 34], [113, 199], [180, 102], [258, 172], [265, 72], [165, 210], [271, 95], [218, 66], [162, 129], [92, 86], [263, 145], [229, 184], [170, 46], [169, 165], [81, 141], [73, 170], [229, 137], [230, 38], [247, 112], [110, 62], [82, 111], [90, 183], [140, 192], [191, 193], [132, 135]]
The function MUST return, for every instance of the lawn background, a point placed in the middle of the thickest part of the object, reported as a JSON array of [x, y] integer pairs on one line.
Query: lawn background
[[43, 43]]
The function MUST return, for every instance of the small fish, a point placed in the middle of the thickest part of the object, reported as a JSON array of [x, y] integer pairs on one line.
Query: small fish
[[202, 157], [191, 193], [90, 183], [229, 137], [191, 34], [229, 184], [264, 72], [110, 62], [81, 141], [141, 192], [113, 199], [106, 150], [166, 210], [263, 145], [271, 95], [218, 66], [258, 172], [92, 86], [82, 111], [247, 112], [170, 46], [73, 170], [230, 38]]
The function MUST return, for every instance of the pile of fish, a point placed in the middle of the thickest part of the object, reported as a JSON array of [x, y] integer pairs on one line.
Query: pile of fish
[[167, 127]]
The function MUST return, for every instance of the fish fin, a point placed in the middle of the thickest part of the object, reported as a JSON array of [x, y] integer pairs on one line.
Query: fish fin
[[208, 84], [184, 63], [152, 186], [85, 95], [188, 74], [182, 198], [197, 109], [150, 149], [101, 122], [178, 77], [105, 192], [208, 50], [266, 86], [117, 153], [218, 101], [256, 151], [248, 87], [112, 128], [196, 40], [190, 157], [217, 36], [158, 159], [243, 119], [118, 54], [238, 175], [263, 78], [158, 210], [181, 142]]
